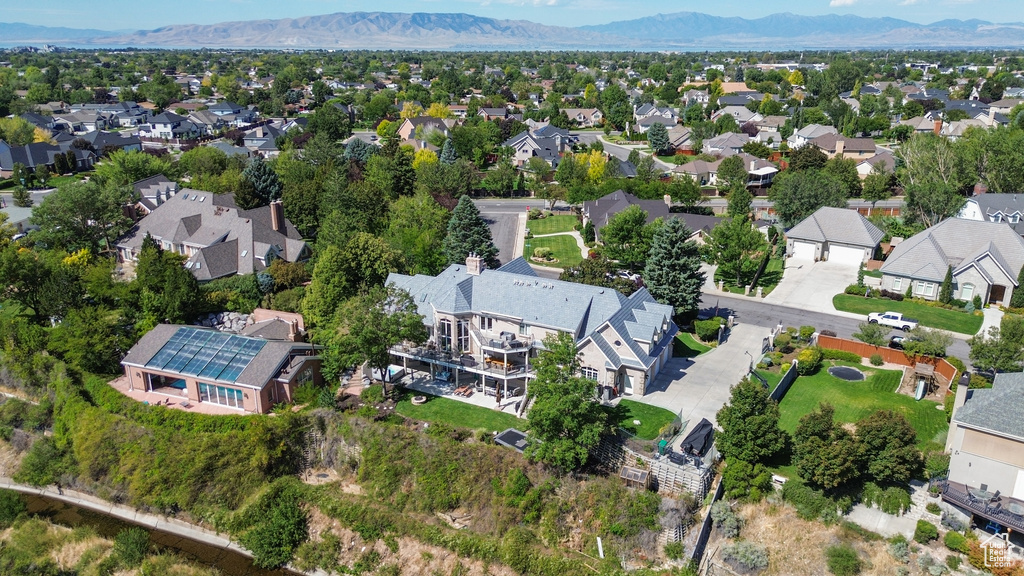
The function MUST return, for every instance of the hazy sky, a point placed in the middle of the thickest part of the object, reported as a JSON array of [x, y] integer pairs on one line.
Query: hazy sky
[[133, 14]]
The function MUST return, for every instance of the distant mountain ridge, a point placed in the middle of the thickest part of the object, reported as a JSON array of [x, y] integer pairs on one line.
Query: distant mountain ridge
[[679, 31]]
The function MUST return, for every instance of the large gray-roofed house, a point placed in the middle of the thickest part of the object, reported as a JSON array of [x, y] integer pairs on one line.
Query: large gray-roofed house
[[1005, 208], [486, 326], [986, 444], [986, 258], [834, 234], [199, 364], [600, 211], [218, 238]]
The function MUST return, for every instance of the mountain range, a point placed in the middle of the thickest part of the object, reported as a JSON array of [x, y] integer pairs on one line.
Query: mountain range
[[679, 31]]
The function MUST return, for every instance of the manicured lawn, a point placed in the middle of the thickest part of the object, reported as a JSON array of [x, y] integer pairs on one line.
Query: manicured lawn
[[564, 246], [873, 273], [773, 378], [552, 224], [652, 419], [768, 281], [687, 346], [457, 413], [952, 320], [855, 400]]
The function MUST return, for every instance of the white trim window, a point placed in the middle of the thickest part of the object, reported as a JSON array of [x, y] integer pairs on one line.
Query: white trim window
[[926, 289], [444, 334], [967, 292], [524, 329], [897, 284], [589, 373], [463, 341]]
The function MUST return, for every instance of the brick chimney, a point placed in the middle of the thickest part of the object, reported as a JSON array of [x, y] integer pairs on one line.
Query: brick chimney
[[277, 216], [980, 188], [474, 264], [938, 127], [840, 148]]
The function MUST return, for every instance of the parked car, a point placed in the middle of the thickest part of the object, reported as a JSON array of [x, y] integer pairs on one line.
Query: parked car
[[894, 319], [896, 342]]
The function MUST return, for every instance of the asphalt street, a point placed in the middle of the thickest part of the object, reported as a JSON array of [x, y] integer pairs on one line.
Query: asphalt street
[[750, 311]]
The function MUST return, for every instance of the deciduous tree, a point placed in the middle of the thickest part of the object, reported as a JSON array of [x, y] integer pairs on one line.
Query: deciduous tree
[[736, 247], [750, 424], [627, 236], [797, 195]]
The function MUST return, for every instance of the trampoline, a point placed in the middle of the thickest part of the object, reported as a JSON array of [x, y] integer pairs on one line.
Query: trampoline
[[846, 373]]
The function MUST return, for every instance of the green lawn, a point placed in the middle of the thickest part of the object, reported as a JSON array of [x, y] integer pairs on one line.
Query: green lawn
[[456, 413], [652, 419], [773, 378], [952, 320], [873, 273], [768, 281], [855, 400], [552, 224], [566, 250], [687, 346]]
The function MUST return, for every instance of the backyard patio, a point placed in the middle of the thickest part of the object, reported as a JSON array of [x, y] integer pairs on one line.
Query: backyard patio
[[173, 399]]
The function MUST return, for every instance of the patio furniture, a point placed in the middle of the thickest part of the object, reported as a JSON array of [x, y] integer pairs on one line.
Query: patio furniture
[[995, 496], [1015, 509], [978, 494], [993, 527], [185, 404]]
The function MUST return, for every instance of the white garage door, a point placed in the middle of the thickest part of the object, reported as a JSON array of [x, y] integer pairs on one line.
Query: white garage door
[[803, 250], [846, 255]]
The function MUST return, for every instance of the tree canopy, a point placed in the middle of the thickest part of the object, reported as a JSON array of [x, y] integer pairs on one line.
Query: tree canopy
[[673, 274], [750, 424]]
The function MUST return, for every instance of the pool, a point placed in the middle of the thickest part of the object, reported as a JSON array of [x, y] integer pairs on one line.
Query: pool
[[846, 373]]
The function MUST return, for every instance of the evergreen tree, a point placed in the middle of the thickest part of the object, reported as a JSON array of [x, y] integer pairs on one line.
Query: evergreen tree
[[1017, 300], [750, 424], [673, 273], [946, 290], [448, 156], [467, 232], [21, 197], [657, 137], [266, 186]]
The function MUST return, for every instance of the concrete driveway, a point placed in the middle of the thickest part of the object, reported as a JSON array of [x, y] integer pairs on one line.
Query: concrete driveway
[[698, 387], [811, 285]]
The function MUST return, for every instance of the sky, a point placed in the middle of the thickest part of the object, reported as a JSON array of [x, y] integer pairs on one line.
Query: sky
[[133, 14]]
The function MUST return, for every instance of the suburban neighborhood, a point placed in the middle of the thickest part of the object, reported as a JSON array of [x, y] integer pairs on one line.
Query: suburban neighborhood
[[469, 312]]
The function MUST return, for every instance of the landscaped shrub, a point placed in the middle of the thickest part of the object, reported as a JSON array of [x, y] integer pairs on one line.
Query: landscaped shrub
[[956, 542], [892, 500], [745, 480], [535, 214], [895, 296], [953, 562], [543, 253], [952, 522], [810, 504], [979, 381], [899, 548], [809, 360], [784, 342], [727, 522], [876, 360], [925, 532], [855, 290], [806, 332], [833, 354], [372, 394], [746, 555], [842, 560], [933, 508], [707, 330]]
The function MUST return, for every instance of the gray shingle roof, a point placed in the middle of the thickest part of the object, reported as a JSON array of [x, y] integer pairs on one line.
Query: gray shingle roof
[[839, 225], [955, 242], [999, 409]]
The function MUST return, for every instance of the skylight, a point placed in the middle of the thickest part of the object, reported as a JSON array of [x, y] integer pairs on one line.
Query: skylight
[[207, 354]]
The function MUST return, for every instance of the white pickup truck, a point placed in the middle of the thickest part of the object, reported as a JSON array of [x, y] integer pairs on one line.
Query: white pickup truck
[[894, 319]]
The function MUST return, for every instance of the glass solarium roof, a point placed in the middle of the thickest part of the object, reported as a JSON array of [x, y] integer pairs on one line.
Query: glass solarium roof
[[207, 354]]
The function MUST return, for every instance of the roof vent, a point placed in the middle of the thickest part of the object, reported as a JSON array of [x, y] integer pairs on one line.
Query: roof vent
[[198, 265], [244, 253]]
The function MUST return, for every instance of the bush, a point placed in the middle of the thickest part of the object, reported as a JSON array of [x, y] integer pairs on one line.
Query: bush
[[842, 560], [746, 555], [956, 542], [960, 367], [535, 214], [12, 505], [952, 522], [806, 332], [832, 354], [810, 504], [855, 290], [893, 500], [707, 330], [899, 548], [876, 360], [894, 296], [937, 463], [745, 480], [809, 361], [925, 532], [372, 394], [784, 342], [953, 562], [543, 253], [674, 550], [933, 508], [131, 546], [727, 522]]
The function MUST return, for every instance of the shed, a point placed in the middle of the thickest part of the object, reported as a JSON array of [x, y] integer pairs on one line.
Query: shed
[[635, 477]]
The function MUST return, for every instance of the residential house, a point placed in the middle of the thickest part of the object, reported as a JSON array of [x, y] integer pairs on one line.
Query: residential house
[[741, 113], [106, 142], [529, 144], [584, 117], [153, 192], [985, 257], [82, 121], [883, 161], [644, 124], [803, 136], [207, 121], [600, 211], [703, 172], [680, 138], [1005, 105], [726, 144], [771, 123], [38, 120], [486, 327], [230, 149], [194, 364], [694, 96], [923, 125], [218, 238], [122, 114], [650, 110], [169, 125], [835, 234], [986, 446], [418, 128], [263, 140], [489, 114], [849, 148], [37, 154], [1004, 208]]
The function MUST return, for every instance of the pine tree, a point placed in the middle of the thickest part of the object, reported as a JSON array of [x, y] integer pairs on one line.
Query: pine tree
[[448, 156], [673, 274], [467, 232], [657, 137], [946, 291], [1017, 300], [21, 197], [266, 186]]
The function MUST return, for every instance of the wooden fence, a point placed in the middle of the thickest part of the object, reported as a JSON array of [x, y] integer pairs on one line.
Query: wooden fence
[[943, 369]]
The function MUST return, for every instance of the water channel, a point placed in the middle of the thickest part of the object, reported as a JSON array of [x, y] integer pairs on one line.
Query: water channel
[[228, 562]]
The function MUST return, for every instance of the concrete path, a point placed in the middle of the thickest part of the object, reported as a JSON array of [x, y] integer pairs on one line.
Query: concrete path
[[698, 387], [888, 525], [993, 317]]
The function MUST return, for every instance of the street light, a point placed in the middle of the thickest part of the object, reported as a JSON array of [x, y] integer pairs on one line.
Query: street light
[[751, 367]]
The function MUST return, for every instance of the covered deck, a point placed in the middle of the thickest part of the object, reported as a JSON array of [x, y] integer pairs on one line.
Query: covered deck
[[995, 508], [500, 365], [425, 383]]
